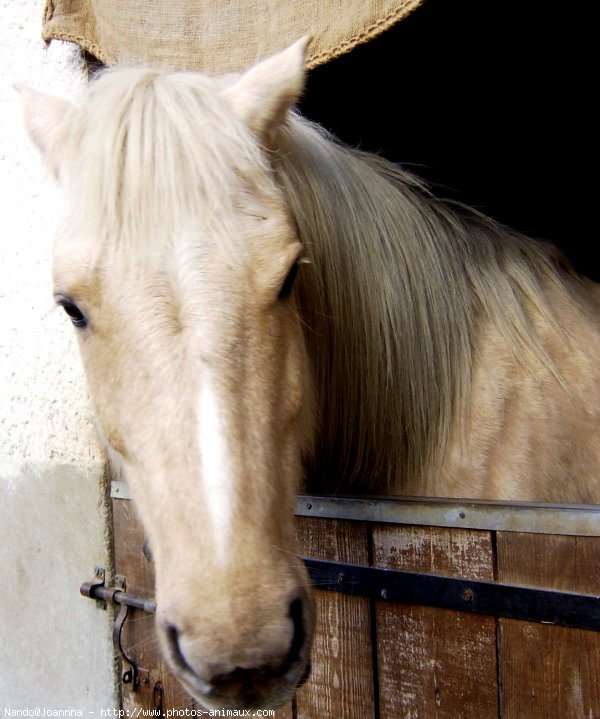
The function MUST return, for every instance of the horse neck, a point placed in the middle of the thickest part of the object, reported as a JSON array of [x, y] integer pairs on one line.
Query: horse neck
[[387, 368], [397, 286]]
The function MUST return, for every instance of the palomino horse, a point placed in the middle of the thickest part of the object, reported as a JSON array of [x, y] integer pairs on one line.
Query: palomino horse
[[252, 300]]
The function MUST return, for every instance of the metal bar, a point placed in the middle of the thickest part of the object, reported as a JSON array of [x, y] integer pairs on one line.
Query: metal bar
[[538, 518], [118, 596], [501, 600]]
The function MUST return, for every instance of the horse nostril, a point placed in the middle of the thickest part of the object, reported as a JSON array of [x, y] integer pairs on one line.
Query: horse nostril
[[247, 684], [244, 681], [299, 636], [172, 634], [304, 678]]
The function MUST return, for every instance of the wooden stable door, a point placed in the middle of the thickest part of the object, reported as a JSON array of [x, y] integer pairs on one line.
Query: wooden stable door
[[378, 658]]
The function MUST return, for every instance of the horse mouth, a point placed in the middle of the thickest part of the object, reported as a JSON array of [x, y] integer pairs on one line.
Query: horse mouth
[[248, 689]]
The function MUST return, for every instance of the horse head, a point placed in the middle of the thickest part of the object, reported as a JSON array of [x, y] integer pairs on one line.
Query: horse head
[[176, 264]]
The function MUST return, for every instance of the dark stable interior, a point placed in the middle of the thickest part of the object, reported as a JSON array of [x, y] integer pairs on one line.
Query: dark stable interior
[[490, 102]]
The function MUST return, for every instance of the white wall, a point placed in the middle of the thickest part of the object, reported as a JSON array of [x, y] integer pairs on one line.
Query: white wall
[[55, 646]]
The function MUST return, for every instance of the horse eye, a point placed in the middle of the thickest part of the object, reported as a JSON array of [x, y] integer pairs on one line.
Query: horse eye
[[286, 287], [73, 312]]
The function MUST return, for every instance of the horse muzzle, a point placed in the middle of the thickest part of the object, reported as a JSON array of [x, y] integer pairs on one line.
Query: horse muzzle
[[265, 684]]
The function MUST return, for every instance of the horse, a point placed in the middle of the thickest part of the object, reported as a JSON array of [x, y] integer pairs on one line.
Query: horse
[[260, 308]]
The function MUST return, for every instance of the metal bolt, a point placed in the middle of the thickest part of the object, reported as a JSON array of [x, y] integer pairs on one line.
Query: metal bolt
[[468, 595]]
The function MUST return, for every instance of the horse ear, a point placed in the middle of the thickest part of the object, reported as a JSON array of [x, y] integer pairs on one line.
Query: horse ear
[[264, 93], [43, 115]]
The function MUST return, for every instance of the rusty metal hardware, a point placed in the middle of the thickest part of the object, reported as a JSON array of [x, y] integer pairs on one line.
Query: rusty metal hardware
[[132, 675], [88, 589], [116, 595], [529, 604], [129, 673], [157, 697]]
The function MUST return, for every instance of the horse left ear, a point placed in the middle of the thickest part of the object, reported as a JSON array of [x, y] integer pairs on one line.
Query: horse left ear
[[264, 93], [43, 115]]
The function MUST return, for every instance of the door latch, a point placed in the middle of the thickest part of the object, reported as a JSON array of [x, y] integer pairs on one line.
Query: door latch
[[132, 675]]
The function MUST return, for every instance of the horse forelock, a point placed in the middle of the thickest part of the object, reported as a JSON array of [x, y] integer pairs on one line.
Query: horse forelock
[[147, 154]]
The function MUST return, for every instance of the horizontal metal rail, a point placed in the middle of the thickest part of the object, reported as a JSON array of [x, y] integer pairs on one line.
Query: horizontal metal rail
[[532, 517], [491, 598], [538, 518]]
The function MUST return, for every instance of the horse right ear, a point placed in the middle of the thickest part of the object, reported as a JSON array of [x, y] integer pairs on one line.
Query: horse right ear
[[264, 93], [43, 116]]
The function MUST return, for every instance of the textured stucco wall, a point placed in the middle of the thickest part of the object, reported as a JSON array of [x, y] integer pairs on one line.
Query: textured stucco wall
[[56, 651]]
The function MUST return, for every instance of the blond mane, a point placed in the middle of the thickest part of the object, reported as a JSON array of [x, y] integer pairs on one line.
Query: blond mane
[[391, 300]]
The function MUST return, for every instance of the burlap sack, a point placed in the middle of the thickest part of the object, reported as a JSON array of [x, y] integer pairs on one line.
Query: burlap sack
[[216, 36]]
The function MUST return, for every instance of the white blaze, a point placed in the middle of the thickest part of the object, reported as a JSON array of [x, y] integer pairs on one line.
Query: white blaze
[[215, 466]]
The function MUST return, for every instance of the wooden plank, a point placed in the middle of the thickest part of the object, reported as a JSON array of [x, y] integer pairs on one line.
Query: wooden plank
[[549, 671], [435, 663], [341, 681], [130, 560], [139, 639], [286, 712]]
